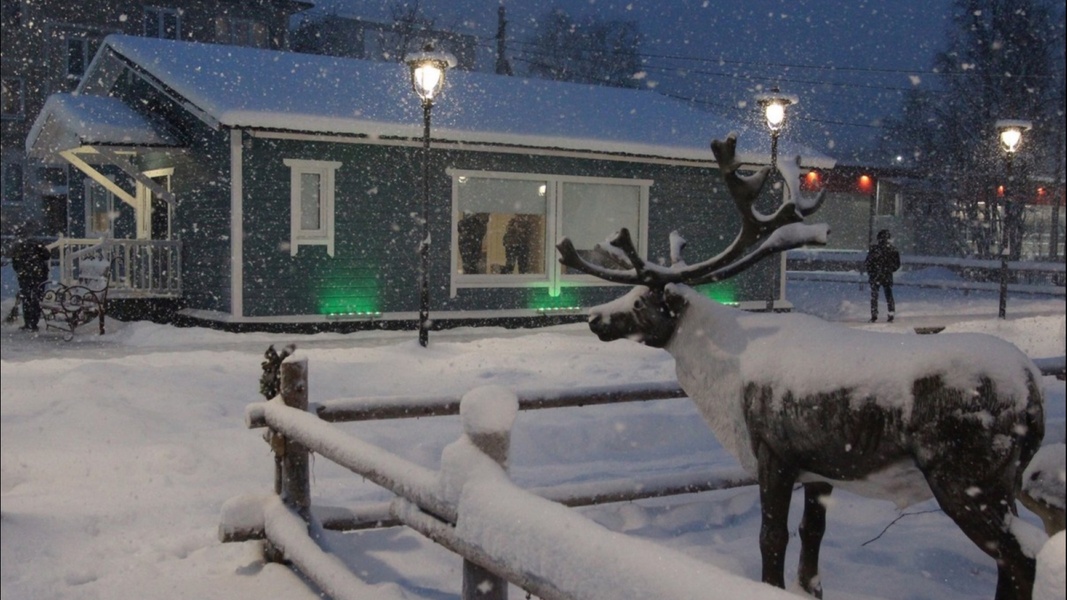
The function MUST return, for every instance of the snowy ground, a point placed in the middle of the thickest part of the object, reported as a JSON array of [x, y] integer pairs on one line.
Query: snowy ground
[[118, 452]]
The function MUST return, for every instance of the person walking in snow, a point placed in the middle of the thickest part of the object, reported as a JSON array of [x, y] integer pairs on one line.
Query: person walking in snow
[[30, 260], [882, 261]]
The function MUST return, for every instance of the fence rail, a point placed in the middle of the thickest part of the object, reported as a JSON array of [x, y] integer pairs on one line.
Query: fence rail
[[297, 426], [972, 273], [139, 268]]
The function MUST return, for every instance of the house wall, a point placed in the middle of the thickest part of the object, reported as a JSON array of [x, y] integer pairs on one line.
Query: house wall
[[200, 184], [378, 195]]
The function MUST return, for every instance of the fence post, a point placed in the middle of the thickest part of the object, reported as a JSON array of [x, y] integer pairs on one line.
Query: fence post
[[296, 480], [292, 480], [487, 415]]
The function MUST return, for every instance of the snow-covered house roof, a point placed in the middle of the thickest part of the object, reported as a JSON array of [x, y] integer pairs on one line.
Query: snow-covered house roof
[[69, 121], [251, 88]]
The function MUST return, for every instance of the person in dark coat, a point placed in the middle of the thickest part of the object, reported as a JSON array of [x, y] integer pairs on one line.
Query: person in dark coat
[[517, 244], [883, 260], [30, 259]]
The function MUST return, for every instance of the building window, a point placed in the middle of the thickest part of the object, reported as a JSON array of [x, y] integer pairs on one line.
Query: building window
[[12, 13], [99, 210], [165, 23], [312, 201], [241, 32], [12, 182], [12, 98], [80, 51], [506, 225]]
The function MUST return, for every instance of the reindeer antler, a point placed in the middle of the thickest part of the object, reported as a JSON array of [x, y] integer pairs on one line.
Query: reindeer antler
[[760, 236]]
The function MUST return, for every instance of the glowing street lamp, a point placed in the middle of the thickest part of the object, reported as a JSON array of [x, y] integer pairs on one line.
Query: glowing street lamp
[[428, 70], [1010, 132], [774, 105]]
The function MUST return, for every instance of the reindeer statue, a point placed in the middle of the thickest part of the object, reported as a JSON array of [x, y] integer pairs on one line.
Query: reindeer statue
[[795, 399]]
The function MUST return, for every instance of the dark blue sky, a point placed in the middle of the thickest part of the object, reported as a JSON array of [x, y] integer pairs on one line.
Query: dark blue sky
[[847, 61]]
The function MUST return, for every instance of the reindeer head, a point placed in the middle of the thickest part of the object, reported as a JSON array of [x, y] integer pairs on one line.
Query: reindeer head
[[650, 312], [645, 315]]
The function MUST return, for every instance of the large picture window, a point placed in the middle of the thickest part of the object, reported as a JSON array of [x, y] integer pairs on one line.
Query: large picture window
[[312, 200], [506, 225]]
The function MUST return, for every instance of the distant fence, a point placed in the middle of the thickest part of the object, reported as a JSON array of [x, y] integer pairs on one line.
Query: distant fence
[[1036, 277]]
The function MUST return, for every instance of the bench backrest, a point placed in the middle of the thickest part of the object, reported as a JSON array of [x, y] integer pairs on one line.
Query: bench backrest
[[94, 273]]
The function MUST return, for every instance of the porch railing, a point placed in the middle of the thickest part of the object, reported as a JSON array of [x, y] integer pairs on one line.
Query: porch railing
[[139, 268]]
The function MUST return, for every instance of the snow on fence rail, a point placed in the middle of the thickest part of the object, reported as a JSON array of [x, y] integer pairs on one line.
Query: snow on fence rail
[[505, 534]]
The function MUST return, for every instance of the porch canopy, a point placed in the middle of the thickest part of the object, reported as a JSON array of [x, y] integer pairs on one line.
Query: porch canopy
[[92, 130]]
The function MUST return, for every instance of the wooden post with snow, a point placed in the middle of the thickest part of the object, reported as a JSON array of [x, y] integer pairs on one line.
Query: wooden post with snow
[[487, 419], [296, 478], [293, 479]]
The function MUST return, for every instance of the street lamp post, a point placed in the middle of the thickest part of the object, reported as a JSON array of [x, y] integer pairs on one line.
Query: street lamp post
[[1011, 134], [774, 105], [427, 79]]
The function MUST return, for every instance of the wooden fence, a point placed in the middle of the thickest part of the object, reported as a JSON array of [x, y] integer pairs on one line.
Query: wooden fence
[[286, 518]]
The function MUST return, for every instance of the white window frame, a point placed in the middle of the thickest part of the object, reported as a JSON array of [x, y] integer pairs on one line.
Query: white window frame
[[553, 277], [324, 235]]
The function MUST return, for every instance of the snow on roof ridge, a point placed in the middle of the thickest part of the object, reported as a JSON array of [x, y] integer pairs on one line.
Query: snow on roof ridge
[[288, 91]]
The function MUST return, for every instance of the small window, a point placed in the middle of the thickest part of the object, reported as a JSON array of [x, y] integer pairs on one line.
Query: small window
[[241, 32], [889, 204], [12, 98], [312, 199], [78, 56], [12, 13], [164, 23], [507, 224]]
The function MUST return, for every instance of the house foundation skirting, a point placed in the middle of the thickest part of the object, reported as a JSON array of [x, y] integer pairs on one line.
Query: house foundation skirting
[[514, 319]]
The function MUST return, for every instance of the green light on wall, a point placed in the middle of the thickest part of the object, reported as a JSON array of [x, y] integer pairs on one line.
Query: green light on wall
[[348, 293], [337, 303], [723, 292], [541, 299]]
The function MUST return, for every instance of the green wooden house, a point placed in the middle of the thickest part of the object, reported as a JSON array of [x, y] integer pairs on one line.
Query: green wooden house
[[263, 189]]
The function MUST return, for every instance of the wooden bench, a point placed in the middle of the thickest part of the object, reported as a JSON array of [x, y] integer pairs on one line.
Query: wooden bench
[[66, 307]]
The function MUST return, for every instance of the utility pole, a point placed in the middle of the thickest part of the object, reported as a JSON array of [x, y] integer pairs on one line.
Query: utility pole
[[503, 67]]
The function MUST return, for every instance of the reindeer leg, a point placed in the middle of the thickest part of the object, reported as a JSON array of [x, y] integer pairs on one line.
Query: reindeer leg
[[812, 527], [981, 510], [776, 479]]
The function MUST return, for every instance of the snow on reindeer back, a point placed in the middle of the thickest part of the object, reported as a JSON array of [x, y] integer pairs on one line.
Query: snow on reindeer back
[[804, 356]]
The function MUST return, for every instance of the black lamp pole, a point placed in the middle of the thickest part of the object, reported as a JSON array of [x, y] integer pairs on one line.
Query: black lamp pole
[[1005, 225], [775, 273], [424, 244], [427, 79], [1011, 134]]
